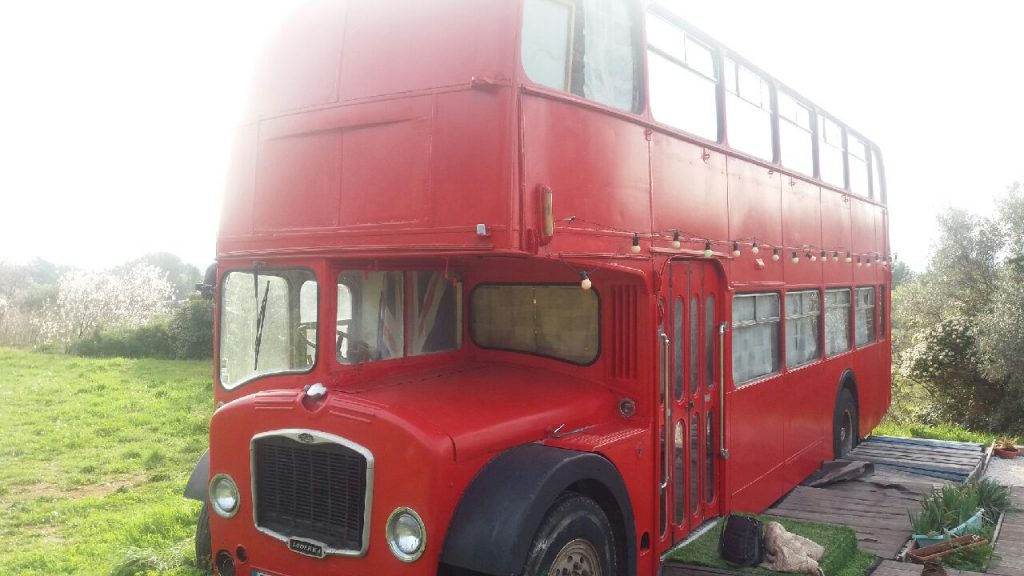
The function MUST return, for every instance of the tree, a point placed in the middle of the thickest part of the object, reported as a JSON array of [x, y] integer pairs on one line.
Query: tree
[[24, 289], [901, 274], [88, 301], [958, 328], [182, 276]]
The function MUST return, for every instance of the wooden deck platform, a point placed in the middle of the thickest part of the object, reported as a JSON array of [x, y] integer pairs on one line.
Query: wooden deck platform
[[955, 461], [876, 506]]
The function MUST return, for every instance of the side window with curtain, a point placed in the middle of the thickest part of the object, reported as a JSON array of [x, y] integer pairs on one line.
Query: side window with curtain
[[837, 321], [587, 48], [748, 106], [865, 315], [803, 327], [683, 79], [755, 336]]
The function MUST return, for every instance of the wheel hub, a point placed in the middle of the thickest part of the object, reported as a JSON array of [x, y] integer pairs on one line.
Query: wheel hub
[[577, 558], [846, 433]]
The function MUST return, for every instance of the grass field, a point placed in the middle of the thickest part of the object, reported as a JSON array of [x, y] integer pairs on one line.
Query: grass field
[[94, 455]]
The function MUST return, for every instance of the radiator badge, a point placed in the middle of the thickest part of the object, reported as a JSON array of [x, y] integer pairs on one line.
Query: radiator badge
[[306, 548]]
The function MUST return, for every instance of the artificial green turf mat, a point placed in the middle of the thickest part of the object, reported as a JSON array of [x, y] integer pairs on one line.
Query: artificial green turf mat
[[842, 556]]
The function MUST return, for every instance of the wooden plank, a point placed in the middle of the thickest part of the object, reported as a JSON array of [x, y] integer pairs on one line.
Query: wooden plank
[[884, 506], [894, 568], [968, 449], [926, 442], [854, 495], [891, 461], [944, 474], [964, 460], [897, 517]]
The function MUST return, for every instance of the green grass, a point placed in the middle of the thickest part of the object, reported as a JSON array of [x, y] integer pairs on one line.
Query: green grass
[[842, 556], [94, 455], [936, 432]]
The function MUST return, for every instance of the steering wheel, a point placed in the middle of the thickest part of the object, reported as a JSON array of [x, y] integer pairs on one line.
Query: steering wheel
[[304, 328]]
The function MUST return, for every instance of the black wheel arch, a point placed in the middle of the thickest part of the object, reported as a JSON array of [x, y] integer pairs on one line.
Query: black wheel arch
[[503, 507], [199, 479]]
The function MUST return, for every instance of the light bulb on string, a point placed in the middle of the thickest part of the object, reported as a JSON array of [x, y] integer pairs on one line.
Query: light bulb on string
[[848, 258], [811, 256], [796, 259], [775, 254], [735, 249], [859, 263], [707, 249], [824, 256], [676, 241], [835, 256], [635, 248], [754, 249], [585, 282]]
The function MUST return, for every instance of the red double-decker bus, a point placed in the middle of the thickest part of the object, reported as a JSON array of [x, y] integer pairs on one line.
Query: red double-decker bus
[[529, 287]]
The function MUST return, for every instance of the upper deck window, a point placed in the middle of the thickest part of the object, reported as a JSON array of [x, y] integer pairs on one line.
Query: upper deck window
[[857, 160], [748, 109], [683, 79], [585, 48], [876, 177], [830, 152], [796, 138]]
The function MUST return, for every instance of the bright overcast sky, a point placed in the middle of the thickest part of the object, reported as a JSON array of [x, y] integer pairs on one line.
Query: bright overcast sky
[[116, 116]]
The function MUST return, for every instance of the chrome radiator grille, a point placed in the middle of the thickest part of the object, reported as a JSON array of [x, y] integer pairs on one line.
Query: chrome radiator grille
[[311, 489]]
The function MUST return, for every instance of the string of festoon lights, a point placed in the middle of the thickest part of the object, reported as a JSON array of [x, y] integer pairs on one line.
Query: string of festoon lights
[[736, 247]]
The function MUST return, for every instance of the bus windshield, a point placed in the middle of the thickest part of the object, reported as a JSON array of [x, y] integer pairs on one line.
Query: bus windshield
[[265, 315]]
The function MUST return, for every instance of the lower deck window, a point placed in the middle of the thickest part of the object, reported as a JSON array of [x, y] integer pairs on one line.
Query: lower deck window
[[865, 315], [755, 336], [803, 325], [548, 320], [837, 321]]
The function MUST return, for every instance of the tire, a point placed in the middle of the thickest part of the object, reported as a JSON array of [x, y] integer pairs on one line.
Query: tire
[[575, 539], [204, 544], [844, 424]]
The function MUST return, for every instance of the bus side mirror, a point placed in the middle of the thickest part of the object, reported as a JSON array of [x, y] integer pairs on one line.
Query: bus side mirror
[[206, 287]]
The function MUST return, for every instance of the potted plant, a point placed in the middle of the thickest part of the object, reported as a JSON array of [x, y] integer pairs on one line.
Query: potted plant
[[1006, 448]]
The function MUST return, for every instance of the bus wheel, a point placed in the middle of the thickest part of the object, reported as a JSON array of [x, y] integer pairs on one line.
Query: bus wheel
[[844, 424], [575, 539], [204, 544]]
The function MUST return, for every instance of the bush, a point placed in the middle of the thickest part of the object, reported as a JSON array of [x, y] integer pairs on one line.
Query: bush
[[150, 341], [191, 330], [187, 335]]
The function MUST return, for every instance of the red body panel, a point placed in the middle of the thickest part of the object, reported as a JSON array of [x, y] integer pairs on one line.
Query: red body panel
[[381, 135]]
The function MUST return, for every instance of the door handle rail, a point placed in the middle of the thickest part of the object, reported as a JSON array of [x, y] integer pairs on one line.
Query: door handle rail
[[723, 451], [666, 380]]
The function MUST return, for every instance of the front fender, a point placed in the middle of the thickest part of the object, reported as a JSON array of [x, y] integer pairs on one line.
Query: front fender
[[501, 511]]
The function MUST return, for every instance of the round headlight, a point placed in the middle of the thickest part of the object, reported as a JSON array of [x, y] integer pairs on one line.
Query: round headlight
[[407, 536], [224, 495]]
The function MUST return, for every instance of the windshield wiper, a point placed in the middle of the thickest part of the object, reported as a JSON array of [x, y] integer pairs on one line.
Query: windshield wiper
[[259, 327]]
